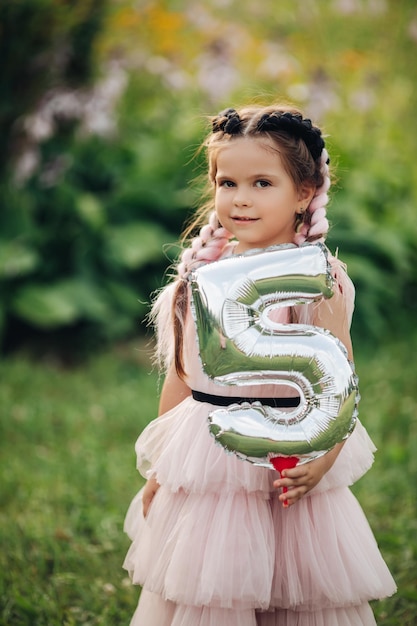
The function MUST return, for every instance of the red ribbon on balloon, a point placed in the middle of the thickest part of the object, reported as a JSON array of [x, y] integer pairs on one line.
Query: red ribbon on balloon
[[281, 463]]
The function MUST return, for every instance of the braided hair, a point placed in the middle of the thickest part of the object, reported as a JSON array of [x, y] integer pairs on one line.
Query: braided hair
[[302, 150]]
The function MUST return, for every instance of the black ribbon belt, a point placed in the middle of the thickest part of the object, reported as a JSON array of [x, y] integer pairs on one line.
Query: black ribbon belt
[[227, 400]]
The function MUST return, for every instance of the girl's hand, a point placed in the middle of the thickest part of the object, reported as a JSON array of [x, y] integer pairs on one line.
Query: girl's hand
[[301, 479], [148, 494]]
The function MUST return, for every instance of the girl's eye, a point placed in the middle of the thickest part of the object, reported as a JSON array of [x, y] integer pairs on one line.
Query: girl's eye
[[226, 183], [262, 183]]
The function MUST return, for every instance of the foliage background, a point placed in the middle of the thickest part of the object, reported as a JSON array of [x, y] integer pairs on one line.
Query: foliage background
[[102, 108], [104, 105]]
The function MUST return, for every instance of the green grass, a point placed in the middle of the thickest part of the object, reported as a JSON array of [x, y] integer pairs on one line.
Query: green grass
[[67, 477], [388, 493], [68, 474]]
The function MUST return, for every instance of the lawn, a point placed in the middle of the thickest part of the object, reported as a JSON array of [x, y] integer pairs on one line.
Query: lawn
[[68, 475]]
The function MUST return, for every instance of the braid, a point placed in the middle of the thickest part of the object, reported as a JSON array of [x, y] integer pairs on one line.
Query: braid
[[227, 121], [207, 247], [296, 126], [315, 224]]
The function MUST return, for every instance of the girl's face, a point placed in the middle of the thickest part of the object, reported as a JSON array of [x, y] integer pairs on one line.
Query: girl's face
[[255, 198]]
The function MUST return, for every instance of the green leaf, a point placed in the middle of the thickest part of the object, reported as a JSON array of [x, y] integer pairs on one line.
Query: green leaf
[[45, 306], [16, 259], [50, 306], [137, 243], [127, 299], [91, 210]]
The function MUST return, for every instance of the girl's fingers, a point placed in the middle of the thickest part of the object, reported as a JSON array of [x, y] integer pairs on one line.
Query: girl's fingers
[[148, 494], [289, 482], [292, 496], [296, 489], [145, 506]]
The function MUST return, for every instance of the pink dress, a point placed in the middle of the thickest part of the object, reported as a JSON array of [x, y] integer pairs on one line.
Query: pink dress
[[218, 549]]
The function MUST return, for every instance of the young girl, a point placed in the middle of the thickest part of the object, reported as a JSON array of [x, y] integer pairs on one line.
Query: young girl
[[215, 541]]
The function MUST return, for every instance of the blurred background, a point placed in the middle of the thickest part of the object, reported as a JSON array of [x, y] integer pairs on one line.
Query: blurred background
[[103, 105]]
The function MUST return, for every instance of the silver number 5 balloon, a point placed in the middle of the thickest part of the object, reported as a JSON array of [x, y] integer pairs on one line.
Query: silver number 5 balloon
[[241, 345]]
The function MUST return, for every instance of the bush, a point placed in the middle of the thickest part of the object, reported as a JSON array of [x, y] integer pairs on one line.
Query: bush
[[84, 252], [87, 237]]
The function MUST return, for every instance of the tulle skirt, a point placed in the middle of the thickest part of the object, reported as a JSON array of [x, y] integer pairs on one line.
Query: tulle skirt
[[218, 549], [154, 611]]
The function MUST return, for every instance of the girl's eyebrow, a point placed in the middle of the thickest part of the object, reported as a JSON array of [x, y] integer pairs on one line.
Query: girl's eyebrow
[[254, 176]]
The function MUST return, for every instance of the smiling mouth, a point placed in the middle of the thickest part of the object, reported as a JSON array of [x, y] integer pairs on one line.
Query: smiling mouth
[[244, 219]]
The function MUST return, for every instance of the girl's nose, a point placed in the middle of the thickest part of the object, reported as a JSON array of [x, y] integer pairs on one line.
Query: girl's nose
[[241, 197]]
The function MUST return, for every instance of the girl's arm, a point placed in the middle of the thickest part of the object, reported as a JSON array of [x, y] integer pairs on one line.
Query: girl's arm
[[174, 391], [334, 316]]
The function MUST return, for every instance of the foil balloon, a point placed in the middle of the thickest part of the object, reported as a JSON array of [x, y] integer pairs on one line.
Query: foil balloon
[[240, 345]]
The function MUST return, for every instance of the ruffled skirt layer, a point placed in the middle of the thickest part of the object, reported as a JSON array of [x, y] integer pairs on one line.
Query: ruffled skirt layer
[[218, 549], [154, 611]]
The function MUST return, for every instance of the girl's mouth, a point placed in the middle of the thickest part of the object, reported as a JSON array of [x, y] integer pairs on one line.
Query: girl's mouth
[[244, 219]]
